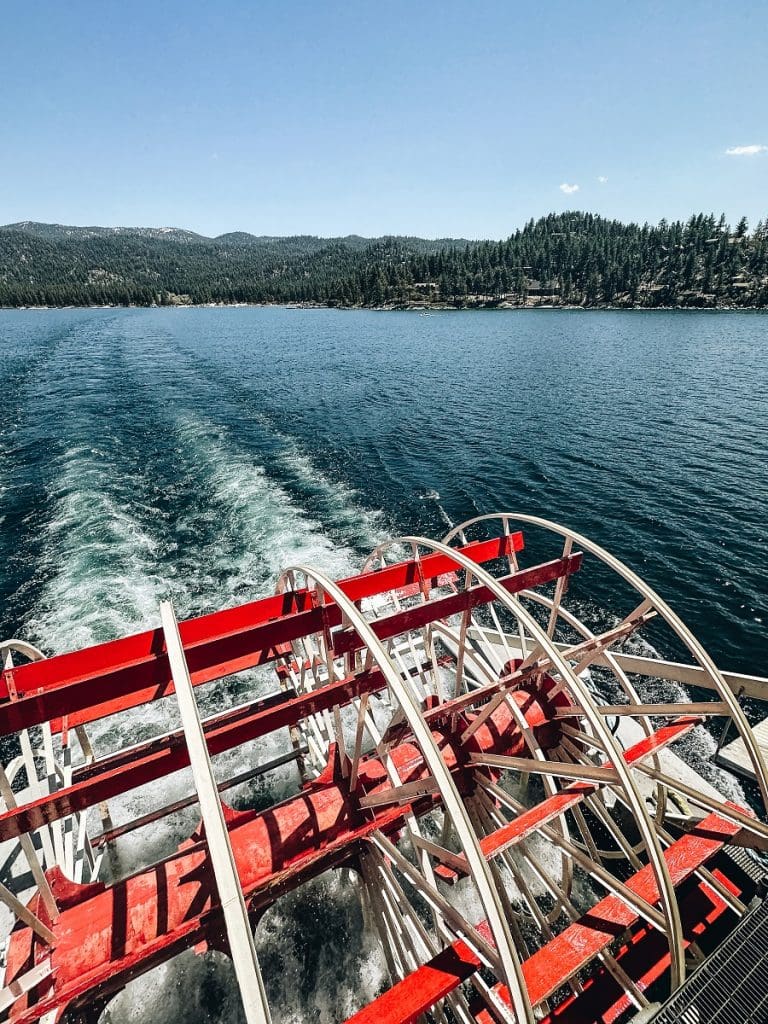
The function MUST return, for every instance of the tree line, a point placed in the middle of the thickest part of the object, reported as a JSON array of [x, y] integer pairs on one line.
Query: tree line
[[562, 259]]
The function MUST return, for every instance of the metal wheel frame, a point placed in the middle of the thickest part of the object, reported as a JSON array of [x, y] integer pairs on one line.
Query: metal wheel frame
[[676, 624], [511, 969], [643, 721], [579, 690]]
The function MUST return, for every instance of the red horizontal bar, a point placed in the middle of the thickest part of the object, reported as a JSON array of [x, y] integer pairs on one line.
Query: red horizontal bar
[[102, 680], [345, 641], [428, 568], [107, 934], [528, 821], [129, 769], [645, 958], [419, 991], [551, 966], [164, 755], [147, 762]]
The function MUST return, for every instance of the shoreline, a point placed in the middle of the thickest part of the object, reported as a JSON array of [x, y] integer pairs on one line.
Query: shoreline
[[423, 309]]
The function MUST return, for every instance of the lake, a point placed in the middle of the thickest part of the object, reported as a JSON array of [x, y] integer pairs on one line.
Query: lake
[[197, 451]]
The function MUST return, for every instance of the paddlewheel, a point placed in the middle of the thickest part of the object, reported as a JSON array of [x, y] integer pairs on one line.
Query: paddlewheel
[[473, 738]]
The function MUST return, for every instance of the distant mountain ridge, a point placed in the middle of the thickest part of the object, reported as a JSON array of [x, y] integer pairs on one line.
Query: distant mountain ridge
[[566, 259], [68, 232], [71, 232]]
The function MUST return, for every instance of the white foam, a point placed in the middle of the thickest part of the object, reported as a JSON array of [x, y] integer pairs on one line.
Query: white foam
[[98, 561], [362, 526], [329, 965], [317, 961], [100, 566], [259, 530]]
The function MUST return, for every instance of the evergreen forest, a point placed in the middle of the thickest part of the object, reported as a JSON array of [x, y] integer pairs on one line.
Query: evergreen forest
[[575, 259]]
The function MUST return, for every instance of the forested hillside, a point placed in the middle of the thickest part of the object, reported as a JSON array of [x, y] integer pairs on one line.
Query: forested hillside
[[562, 259]]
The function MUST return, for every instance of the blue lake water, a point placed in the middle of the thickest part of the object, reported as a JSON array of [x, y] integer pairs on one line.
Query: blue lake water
[[196, 452]]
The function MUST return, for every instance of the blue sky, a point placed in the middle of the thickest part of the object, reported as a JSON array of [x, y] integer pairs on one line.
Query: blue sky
[[431, 118]]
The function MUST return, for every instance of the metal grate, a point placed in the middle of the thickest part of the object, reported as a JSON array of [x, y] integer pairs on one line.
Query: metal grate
[[750, 863], [732, 985]]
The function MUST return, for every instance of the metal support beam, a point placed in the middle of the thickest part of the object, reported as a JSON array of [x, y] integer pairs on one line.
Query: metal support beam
[[242, 948]]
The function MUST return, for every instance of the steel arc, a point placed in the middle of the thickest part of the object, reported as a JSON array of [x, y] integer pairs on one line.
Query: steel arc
[[629, 690], [673, 620], [485, 666], [27, 650], [454, 730], [581, 693], [487, 891]]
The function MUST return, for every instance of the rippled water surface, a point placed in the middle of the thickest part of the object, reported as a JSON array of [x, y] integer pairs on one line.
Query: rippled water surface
[[196, 452]]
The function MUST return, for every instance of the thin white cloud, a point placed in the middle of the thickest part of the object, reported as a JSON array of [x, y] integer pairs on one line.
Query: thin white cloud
[[602, 179], [746, 150], [568, 189]]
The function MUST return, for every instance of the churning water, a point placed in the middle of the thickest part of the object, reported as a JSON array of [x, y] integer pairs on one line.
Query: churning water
[[196, 453]]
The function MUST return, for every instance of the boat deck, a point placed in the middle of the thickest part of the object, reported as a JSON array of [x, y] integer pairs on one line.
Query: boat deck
[[733, 756]]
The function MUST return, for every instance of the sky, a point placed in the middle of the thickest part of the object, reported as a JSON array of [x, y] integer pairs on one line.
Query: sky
[[380, 116]]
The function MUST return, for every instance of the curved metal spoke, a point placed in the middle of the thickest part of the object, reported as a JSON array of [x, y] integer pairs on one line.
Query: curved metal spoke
[[683, 633], [583, 697], [509, 963]]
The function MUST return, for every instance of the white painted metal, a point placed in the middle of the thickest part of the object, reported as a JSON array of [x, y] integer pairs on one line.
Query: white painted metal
[[490, 664], [580, 693], [724, 808], [25, 914], [458, 924], [65, 843], [7, 650], [401, 794], [21, 647], [30, 979], [238, 927], [735, 756], [509, 961], [562, 769], [692, 675], [28, 847], [555, 890], [404, 937], [593, 867], [741, 685], [710, 707], [482, 656], [701, 656]]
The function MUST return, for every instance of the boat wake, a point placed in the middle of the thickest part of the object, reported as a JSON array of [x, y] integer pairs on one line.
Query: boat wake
[[225, 530]]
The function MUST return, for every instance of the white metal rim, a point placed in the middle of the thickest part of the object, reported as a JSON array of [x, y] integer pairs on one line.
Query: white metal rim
[[452, 801], [581, 693], [676, 624]]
